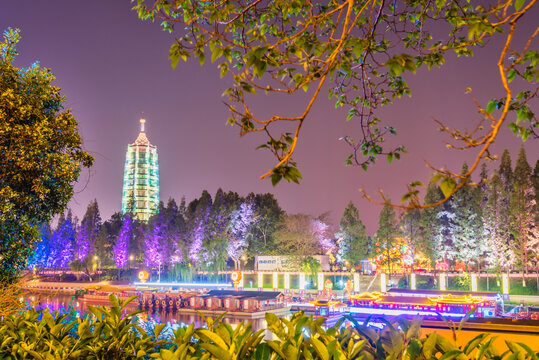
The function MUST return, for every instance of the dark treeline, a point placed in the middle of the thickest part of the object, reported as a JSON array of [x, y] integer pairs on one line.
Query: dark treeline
[[489, 226]]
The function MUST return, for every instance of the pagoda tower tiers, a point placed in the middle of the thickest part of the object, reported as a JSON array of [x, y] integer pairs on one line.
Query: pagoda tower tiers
[[140, 194]]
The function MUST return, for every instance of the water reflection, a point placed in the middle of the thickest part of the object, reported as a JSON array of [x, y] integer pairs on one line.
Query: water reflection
[[148, 318]]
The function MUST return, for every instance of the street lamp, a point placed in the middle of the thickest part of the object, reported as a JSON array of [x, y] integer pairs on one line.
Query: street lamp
[[131, 257]]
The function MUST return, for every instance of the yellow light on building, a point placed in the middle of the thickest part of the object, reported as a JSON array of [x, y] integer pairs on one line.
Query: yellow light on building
[[356, 282], [474, 282], [383, 282], [260, 280], [320, 281], [302, 281], [275, 281], [287, 281], [241, 281], [413, 284], [505, 284], [442, 282]]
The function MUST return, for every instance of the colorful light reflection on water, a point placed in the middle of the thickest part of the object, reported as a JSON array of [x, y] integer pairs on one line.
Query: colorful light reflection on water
[[148, 318]]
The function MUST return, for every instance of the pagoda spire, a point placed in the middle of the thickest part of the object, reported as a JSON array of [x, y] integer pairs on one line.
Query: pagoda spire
[[142, 122]]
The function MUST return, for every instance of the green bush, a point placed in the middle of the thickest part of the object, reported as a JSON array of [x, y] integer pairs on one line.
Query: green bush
[[106, 334]]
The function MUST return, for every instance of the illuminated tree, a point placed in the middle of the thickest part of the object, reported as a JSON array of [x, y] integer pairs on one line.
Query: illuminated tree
[[295, 237], [368, 49], [241, 222], [410, 229], [430, 222], [88, 231], [496, 233], [465, 226], [121, 247], [535, 182], [198, 213], [387, 231], [62, 242], [397, 255], [353, 242], [322, 232], [269, 213], [157, 248], [523, 212], [41, 155], [41, 251]]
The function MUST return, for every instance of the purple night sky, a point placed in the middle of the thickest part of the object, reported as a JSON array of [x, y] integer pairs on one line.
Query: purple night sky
[[112, 67]]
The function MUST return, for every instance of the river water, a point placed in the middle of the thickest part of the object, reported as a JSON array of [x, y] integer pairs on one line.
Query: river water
[[149, 318]]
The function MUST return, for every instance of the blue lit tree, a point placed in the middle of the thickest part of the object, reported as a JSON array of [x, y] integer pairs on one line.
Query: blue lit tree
[[41, 252], [88, 232], [62, 243]]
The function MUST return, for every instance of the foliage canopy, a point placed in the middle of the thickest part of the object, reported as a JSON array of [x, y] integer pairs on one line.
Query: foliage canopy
[[366, 48], [41, 155]]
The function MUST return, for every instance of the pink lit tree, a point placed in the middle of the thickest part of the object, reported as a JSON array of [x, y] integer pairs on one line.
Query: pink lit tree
[[321, 231]]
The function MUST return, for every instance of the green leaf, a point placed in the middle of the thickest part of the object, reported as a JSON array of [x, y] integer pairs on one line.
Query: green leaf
[[491, 106], [158, 329], [511, 75], [450, 355], [216, 351], [429, 346], [447, 185], [320, 348], [519, 4], [247, 87], [275, 178], [174, 55]]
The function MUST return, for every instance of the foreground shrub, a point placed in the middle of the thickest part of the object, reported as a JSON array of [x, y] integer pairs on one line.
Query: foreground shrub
[[110, 333], [10, 298]]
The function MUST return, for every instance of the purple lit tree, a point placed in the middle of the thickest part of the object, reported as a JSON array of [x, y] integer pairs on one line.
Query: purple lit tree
[[157, 249], [241, 222], [198, 217], [195, 247], [321, 231], [120, 248]]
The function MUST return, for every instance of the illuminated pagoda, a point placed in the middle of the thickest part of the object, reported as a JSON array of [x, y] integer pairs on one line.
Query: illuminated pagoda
[[141, 178]]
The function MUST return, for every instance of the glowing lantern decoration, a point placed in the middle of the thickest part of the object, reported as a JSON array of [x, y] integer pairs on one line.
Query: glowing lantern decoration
[[328, 286], [143, 275], [349, 286], [236, 279]]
